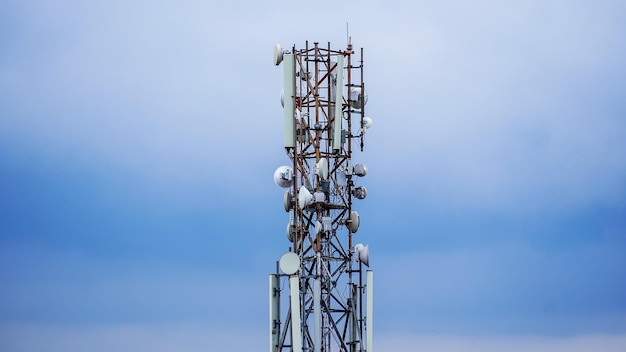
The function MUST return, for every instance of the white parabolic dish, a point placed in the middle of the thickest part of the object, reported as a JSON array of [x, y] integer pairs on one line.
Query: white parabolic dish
[[289, 263]]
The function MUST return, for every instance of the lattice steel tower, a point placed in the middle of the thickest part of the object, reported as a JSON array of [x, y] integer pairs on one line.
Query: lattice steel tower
[[329, 306]]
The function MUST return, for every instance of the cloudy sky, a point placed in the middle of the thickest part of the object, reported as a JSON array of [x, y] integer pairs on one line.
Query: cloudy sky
[[138, 142]]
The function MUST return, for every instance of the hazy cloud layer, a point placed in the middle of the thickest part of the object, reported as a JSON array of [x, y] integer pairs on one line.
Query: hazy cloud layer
[[198, 337]]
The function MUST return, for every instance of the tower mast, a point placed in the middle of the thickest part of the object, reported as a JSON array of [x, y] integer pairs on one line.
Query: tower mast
[[330, 293]]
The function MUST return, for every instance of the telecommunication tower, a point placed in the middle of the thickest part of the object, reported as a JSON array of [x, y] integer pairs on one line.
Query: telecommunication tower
[[329, 305]]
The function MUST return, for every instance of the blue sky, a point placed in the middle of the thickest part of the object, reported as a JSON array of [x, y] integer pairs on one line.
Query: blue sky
[[138, 143]]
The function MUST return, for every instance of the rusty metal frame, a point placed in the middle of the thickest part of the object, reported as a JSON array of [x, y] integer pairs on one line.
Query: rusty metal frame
[[314, 70]]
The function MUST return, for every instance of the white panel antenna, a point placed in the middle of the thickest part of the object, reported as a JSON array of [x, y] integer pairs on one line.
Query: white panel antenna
[[289, 91], [338, 106]]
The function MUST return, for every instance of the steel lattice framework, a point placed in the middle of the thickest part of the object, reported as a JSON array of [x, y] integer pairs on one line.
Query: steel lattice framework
[[324, 107]]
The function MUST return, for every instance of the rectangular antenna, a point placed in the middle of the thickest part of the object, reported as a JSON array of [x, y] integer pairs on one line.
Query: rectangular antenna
[[274, 286], [338, 105], [296, 325], [289, 91], [369, 311]]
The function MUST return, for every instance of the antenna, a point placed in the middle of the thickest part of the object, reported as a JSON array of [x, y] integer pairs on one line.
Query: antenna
[[329, 306]]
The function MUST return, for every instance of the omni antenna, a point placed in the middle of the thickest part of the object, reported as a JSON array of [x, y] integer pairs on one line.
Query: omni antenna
[[329, 305]]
